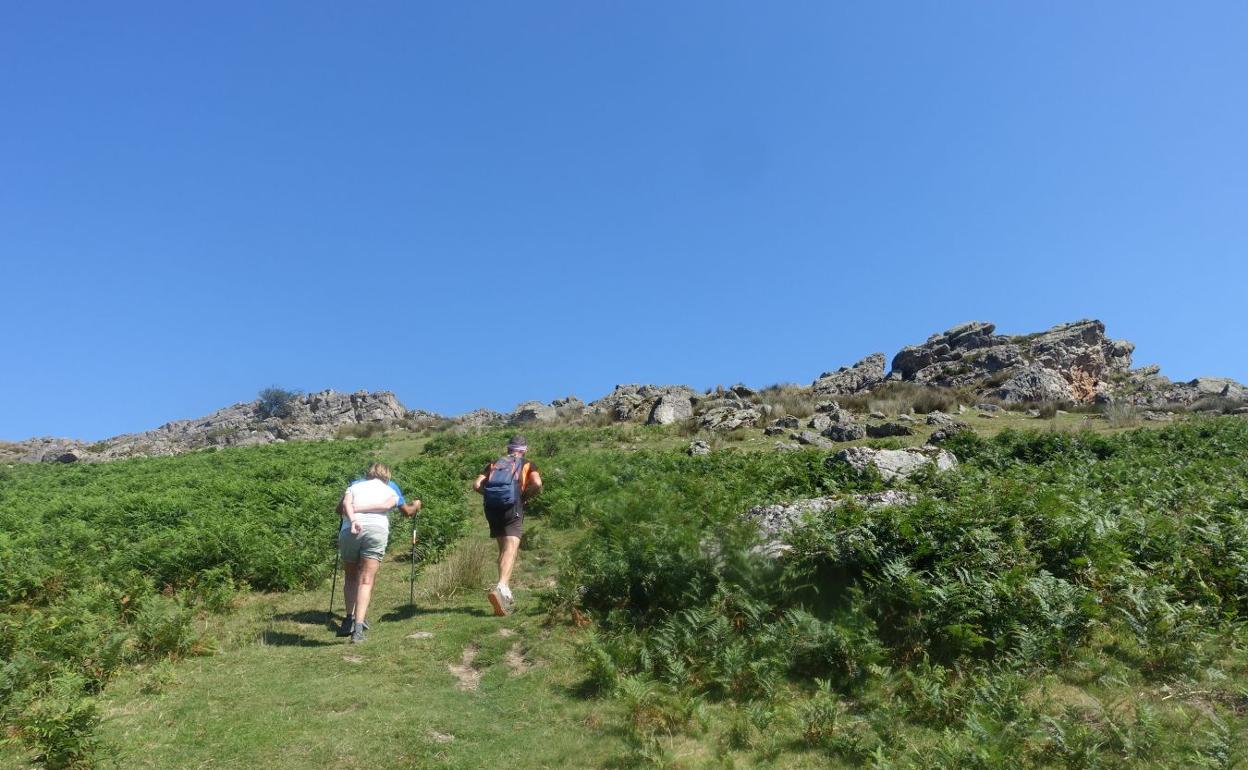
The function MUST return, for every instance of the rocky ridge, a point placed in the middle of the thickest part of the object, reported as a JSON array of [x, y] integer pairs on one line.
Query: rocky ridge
[[1071, 363]]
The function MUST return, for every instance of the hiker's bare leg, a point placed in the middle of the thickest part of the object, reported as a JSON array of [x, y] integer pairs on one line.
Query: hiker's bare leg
[[508, 546], [350, 584], [368, 571]]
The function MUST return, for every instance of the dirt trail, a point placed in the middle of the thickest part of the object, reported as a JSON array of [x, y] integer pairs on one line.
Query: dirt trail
[[466, 672]]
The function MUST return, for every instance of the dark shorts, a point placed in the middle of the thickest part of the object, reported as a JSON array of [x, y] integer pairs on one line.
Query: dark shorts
[[506, 523]]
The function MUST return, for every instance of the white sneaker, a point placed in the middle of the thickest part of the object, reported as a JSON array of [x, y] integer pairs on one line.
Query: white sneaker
[[498, 601]]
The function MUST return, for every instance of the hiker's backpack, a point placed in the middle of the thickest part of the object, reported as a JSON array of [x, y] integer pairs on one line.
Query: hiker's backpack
[[505, 482]]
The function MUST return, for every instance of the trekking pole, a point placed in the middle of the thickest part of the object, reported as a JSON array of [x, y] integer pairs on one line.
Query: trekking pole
[[333, 585], [411, 596]]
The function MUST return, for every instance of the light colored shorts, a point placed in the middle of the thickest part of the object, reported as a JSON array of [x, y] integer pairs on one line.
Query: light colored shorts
[[369, 544]]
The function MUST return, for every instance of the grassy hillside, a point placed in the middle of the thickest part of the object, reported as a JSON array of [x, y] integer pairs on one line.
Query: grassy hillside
[[1073, 596]]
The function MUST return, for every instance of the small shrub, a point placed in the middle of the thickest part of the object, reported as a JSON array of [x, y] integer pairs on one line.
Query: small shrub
[[276, 402], [533, 538], [1120, 415], [1216, 404], [602, 675], [361, 430], [465, 569], [903, 398], [60, 724], [162, 627], [1047, 410], [787, 398]]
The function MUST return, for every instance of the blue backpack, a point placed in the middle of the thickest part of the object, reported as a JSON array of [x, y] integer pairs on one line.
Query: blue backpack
[[505, 482]]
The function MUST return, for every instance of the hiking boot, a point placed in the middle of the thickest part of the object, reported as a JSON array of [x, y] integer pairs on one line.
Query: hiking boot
[[502, 604], [348, 623], [357, 633]]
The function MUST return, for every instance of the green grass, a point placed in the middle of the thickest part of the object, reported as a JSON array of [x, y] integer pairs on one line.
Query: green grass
[[288, 694]]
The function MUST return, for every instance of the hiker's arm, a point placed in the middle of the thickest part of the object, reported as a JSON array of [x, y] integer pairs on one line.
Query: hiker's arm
[[535, 484], [476, 485], [348, 508], [410, 509]]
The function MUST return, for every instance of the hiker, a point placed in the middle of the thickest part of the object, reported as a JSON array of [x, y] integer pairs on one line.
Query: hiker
[[504, 485], [365, 510]]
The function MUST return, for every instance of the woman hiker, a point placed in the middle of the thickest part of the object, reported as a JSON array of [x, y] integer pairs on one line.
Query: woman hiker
[[362, 538]]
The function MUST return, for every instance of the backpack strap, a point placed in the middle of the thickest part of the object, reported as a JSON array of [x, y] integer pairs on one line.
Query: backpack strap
[[524, 476]]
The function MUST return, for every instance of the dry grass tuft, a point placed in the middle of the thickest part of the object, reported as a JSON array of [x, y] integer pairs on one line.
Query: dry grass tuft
[[466, 568]]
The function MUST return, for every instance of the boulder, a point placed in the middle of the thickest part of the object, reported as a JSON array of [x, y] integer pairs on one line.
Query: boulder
[[894, 464], [848, 380], [776, 521], [531, 412], [811, 439], [697, 448], [822, 421], [1219, 386], [1035, 383], [842, 432], [946, 432], [782, 425], [889, 429], [633, 402], [568, 407], [671, 408], [726, 418]]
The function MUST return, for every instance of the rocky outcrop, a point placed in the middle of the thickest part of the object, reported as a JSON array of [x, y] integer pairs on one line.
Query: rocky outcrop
[[726, 418], [848, 380], [1069, 362], [776, 521], [633, 402], [532, 412], [306, 417], [479, 418], [1036, 383], [568, 407], [894, 464]]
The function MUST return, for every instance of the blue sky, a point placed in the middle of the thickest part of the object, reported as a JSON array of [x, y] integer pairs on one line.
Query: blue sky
[[474, 204]]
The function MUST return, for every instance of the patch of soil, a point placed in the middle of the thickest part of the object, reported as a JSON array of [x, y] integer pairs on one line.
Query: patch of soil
[[516, 660], [466, 672]]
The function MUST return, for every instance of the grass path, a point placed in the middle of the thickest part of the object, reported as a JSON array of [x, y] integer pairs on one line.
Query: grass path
[[284, 692]]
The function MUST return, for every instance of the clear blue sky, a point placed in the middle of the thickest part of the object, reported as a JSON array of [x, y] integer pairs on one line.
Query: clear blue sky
[[473, 204]]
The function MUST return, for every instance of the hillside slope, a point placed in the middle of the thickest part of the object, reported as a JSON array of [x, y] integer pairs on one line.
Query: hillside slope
[[1072, 595]]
